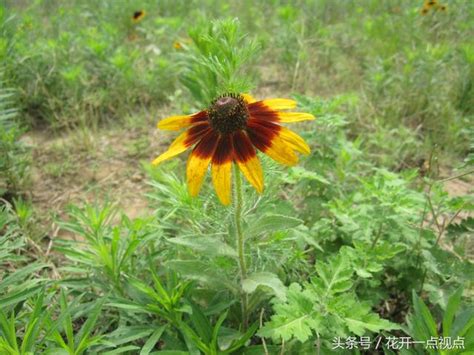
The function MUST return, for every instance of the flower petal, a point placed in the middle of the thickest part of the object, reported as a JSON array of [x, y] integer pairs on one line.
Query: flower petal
[[288, 117], [281, 152], [291, 138], [198, 162], [175, 123], [268, 110], [258, 110], [279, 104], [197, 132], [222, 180], [294, 140], [184, 141], [248, 98], [247, 160], [267, 140], [177, 147], [222, 168], [252, 170]]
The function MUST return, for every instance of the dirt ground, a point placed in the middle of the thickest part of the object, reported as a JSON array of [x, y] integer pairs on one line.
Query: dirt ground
[[85, 167]]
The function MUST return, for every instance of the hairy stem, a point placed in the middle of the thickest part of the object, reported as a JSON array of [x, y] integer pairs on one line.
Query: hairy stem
[[240, 242]]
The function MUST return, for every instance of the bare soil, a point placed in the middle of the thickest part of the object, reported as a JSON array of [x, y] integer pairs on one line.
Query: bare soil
[[83, 167]]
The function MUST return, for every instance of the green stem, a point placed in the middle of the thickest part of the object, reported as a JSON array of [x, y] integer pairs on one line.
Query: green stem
[[377, 237], [240, 242]]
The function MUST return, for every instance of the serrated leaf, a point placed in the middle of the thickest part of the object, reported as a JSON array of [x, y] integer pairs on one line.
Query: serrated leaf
[[266, 279], [293, 318], [298, 173], [334, 276], [300, 328], [363, 273], [370, 322]]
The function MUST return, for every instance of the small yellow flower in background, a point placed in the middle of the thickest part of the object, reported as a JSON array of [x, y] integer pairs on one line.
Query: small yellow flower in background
[[432, 4], [138, 16], [231, 131], [181, 43]]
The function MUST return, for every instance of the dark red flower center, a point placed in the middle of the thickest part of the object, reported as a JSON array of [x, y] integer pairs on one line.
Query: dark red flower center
[[228, 113], [137, 14]]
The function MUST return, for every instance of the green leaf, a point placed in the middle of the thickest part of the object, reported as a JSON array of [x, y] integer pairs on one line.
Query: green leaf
[[34, 324], [152, 340], [272, 223], [121, 350], [210, 246], [371, 322], [7, 326], [463, 322], [17, 297], [335, 276], [298, 173], [295, 317], [200, 271], [123, 335], [215, 331], [16, 277], [451, 309], [243, 339], [82, 337], [423, 314], [266, 279], [201, 323], [128, 306]]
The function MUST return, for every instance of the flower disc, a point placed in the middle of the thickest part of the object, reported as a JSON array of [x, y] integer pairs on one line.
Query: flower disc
[[228, 114]]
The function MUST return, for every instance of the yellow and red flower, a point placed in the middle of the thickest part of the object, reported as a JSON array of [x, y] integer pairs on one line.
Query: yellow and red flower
[[138, 16], [432, 4], [230, 131]]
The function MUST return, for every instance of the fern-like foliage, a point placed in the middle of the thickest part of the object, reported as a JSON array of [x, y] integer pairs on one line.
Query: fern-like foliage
[[326, 306], [219, 52], [13, 154]]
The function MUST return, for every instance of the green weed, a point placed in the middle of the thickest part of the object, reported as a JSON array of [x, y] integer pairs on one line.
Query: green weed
[[361, 239]]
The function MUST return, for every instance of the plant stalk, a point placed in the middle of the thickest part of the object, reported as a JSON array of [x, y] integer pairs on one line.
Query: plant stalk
[[240, 243]]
